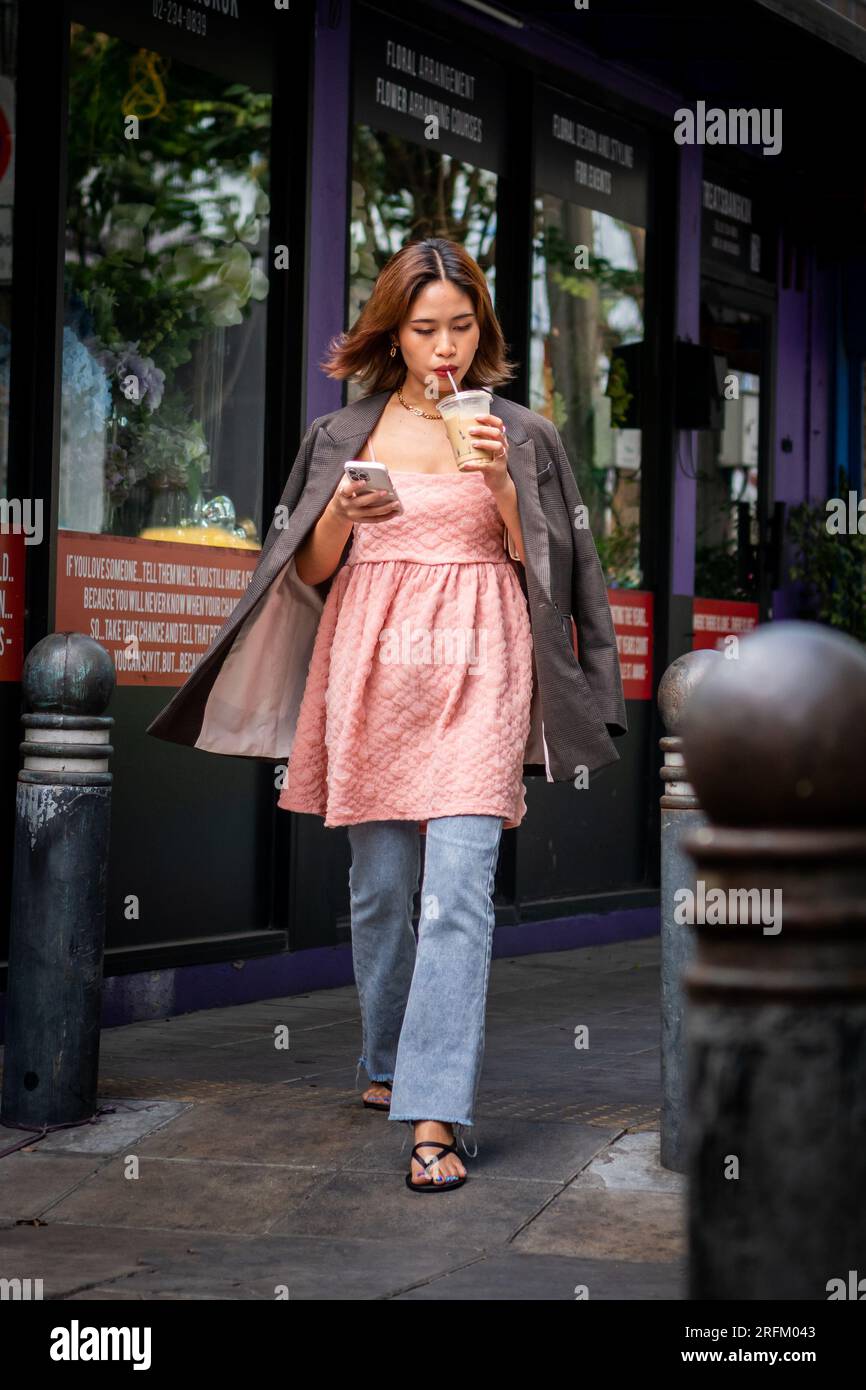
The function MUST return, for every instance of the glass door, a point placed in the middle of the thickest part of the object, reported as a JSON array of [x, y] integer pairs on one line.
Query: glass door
[[732, 570]]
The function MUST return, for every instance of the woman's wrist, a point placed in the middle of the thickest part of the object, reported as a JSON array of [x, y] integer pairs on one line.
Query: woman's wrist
[[505, 494], [338, 525]]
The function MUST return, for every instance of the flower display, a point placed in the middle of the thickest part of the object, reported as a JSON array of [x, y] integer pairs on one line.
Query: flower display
[[86, 394], [139, 380]]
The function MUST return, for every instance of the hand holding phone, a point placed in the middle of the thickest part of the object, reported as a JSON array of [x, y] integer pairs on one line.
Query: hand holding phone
[[366, 493]]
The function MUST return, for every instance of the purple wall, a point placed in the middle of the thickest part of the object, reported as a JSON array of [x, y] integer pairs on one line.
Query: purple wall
[[790, 468], [166, 993], [328, 209], [688, 326], [819, 436]]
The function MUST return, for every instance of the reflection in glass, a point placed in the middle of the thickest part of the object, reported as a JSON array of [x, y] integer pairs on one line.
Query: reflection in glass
[[587, 301], [728, 459], [164, 327], [404, 192]]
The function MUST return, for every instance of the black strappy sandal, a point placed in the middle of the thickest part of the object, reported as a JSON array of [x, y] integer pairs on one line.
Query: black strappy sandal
[[448, 1184], [379, 1104]]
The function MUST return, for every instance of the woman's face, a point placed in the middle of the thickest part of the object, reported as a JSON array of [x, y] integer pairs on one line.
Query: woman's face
[[440, 330]]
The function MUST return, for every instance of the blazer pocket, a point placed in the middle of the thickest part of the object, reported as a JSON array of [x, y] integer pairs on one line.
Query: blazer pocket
[[544, 474]]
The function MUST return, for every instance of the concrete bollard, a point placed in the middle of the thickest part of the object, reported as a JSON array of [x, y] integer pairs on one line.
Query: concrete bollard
[[63, 810], [680, 813], [775, 744]]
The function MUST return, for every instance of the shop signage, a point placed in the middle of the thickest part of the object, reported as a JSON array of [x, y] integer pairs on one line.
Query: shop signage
[[156, 606], [11, 605], [590, 158], [714, 619], [734, 227], [426, 89], [231, 37], [632, 613]]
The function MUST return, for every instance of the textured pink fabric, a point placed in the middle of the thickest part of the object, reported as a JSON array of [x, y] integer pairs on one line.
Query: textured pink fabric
[[417, 699]]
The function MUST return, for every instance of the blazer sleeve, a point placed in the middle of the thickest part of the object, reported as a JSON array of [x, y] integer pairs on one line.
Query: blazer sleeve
[[295, 484], [597, 651]]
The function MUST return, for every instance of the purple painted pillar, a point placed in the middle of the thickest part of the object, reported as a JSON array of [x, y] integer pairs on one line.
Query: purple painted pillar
[[819, 468], [328, 201], [688, 321], [791, 462]]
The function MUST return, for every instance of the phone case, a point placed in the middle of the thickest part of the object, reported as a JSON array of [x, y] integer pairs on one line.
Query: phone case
[[375, 475]]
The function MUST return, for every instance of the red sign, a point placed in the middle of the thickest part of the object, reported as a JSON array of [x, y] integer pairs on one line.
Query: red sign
[[632, 613], [11, 605], [155, 605], [714, 619]]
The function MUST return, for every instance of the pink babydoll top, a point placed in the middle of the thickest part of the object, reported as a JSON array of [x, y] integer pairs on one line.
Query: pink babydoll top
[[417, 698]]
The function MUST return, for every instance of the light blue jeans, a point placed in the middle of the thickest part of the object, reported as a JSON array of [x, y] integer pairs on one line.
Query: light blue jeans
[[423, 1007]]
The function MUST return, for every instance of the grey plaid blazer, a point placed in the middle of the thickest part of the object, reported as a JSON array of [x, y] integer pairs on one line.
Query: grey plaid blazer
[[244, 694]]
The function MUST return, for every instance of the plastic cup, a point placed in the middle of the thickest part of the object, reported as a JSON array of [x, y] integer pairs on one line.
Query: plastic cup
[[459, 412]]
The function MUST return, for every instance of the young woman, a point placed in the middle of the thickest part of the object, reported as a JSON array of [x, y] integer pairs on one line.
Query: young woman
[[427, 636]]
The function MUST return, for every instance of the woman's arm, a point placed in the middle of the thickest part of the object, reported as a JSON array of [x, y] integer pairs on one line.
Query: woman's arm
[[506, 501], [319, 555]]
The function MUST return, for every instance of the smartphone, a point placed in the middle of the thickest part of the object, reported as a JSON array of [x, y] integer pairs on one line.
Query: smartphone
[[374, 475]]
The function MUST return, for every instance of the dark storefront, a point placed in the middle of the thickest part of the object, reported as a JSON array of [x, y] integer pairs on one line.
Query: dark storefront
[[217, 187]]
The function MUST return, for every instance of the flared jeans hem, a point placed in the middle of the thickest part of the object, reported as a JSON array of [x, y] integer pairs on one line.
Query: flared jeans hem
[[423, 1005]]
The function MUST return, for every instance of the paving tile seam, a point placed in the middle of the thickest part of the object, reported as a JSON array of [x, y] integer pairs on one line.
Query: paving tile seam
[[217, 1232], [203, 1161], [480, 1178], [563, 1188], [258, 1037], [103, 1285], [46, 1211], [432, 1278]]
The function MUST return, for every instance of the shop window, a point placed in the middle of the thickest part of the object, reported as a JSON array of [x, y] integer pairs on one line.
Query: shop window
[[588, 301], [728, 458], [164, 297], [403, 192]]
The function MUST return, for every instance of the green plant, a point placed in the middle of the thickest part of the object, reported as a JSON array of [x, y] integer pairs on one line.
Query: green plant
[[171, 448], [620, 396], [619, 554], [831, 567]]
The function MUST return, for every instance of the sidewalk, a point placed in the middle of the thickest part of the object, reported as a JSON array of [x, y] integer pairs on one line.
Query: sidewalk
[[260, 1168]]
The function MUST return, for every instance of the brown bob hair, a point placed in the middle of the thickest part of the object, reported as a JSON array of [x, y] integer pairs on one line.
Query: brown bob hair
[[364, 352]]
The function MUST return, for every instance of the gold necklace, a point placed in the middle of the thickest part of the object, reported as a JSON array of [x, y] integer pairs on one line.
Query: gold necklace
[[415, 409]]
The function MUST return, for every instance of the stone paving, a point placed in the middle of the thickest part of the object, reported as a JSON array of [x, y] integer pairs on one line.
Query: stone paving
[[229, 1168]]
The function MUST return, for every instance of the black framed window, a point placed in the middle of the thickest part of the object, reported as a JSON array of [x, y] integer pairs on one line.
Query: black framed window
[[164, 327], [588, 312], [428, 123]]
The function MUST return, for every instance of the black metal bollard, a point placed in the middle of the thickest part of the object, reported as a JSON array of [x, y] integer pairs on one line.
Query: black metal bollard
[[680, 813], [775, 743], [63, 810]]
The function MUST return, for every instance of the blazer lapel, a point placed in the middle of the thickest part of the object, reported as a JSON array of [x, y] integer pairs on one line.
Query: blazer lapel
[[523, 468]]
